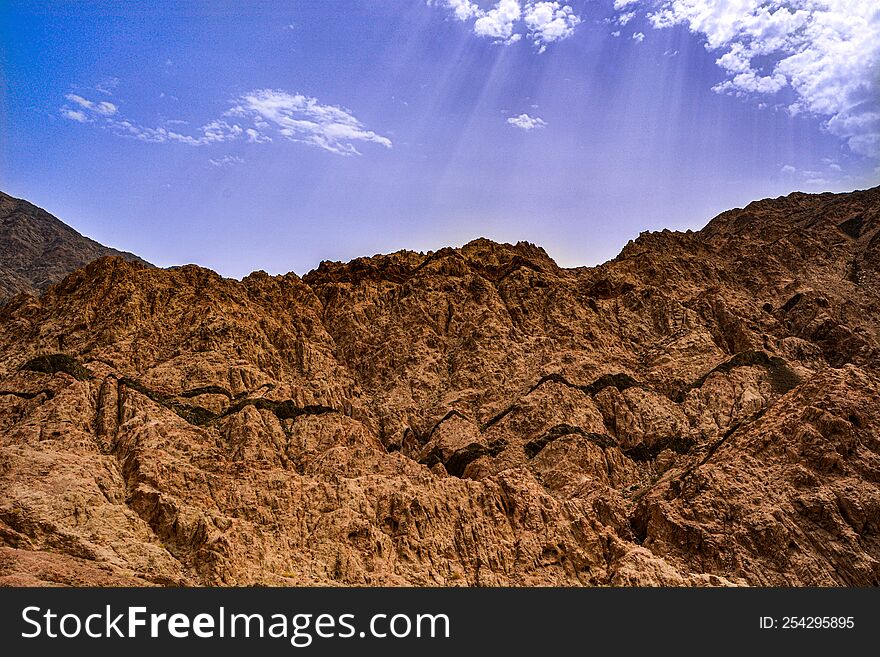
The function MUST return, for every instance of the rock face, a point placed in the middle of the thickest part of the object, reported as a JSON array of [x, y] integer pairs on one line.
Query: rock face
[[702, 410], [36, 249]]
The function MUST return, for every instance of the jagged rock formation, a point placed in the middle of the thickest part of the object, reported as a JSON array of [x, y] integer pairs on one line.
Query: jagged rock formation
[[36, 249], [702, 410]]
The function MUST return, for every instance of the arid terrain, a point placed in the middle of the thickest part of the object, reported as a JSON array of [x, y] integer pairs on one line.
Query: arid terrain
[[702, 410]]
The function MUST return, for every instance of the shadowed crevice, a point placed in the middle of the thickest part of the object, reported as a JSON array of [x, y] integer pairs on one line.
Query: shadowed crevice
[[458, 461], [199, 416], [782, 377], [534, 447], [29, 395], [54, 363]]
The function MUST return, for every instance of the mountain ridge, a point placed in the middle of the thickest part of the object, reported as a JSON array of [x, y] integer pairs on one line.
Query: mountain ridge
[[7, 201], [703, 409]]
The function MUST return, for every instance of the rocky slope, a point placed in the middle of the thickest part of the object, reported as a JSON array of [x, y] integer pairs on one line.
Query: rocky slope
[[36, 249], [702, 410]]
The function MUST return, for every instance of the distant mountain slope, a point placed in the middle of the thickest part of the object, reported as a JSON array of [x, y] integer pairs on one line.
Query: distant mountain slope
[[37, 249]]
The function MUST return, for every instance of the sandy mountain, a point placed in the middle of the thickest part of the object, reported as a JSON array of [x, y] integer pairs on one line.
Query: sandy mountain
[[702, 410]]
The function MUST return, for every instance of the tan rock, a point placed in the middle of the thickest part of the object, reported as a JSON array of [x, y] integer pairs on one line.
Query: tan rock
[[702, 410]]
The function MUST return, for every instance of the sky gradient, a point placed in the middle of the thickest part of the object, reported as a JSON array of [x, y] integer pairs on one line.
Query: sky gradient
[[278, 135]]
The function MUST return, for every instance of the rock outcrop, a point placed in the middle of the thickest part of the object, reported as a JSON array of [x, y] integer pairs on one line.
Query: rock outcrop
[[702, 410]]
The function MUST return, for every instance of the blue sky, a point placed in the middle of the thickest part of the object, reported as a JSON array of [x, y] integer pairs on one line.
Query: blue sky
[[275, 135]]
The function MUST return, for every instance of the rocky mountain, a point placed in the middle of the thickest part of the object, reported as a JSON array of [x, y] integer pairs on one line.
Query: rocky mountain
[[36, 249], [702, 410]]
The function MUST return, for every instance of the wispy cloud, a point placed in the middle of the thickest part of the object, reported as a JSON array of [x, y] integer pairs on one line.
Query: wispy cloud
[[507, 21], [304, 119], [825, 51], [225, 161], [102, 108], [252, 117], [526, 122], [74, 115], [215, 132], [254, 136], [107, 85], [822, 175]]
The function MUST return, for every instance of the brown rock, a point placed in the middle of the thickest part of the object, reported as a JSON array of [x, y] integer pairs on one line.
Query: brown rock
[[702, 410]]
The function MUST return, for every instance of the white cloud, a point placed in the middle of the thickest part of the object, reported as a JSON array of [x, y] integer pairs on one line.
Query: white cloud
[[74, 115], [303, 119], [293, 116], [463, 9], [826, 51], [615, 33], [226, 161], [526, 122], [751, 82], [788, 169], [255, 137], [548, 22], [507, 21], [623, 19], [497, 23], [102, 108], [638, 37]]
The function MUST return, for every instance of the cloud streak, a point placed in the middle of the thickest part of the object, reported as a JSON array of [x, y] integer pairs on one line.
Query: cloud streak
[[253, 117]]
